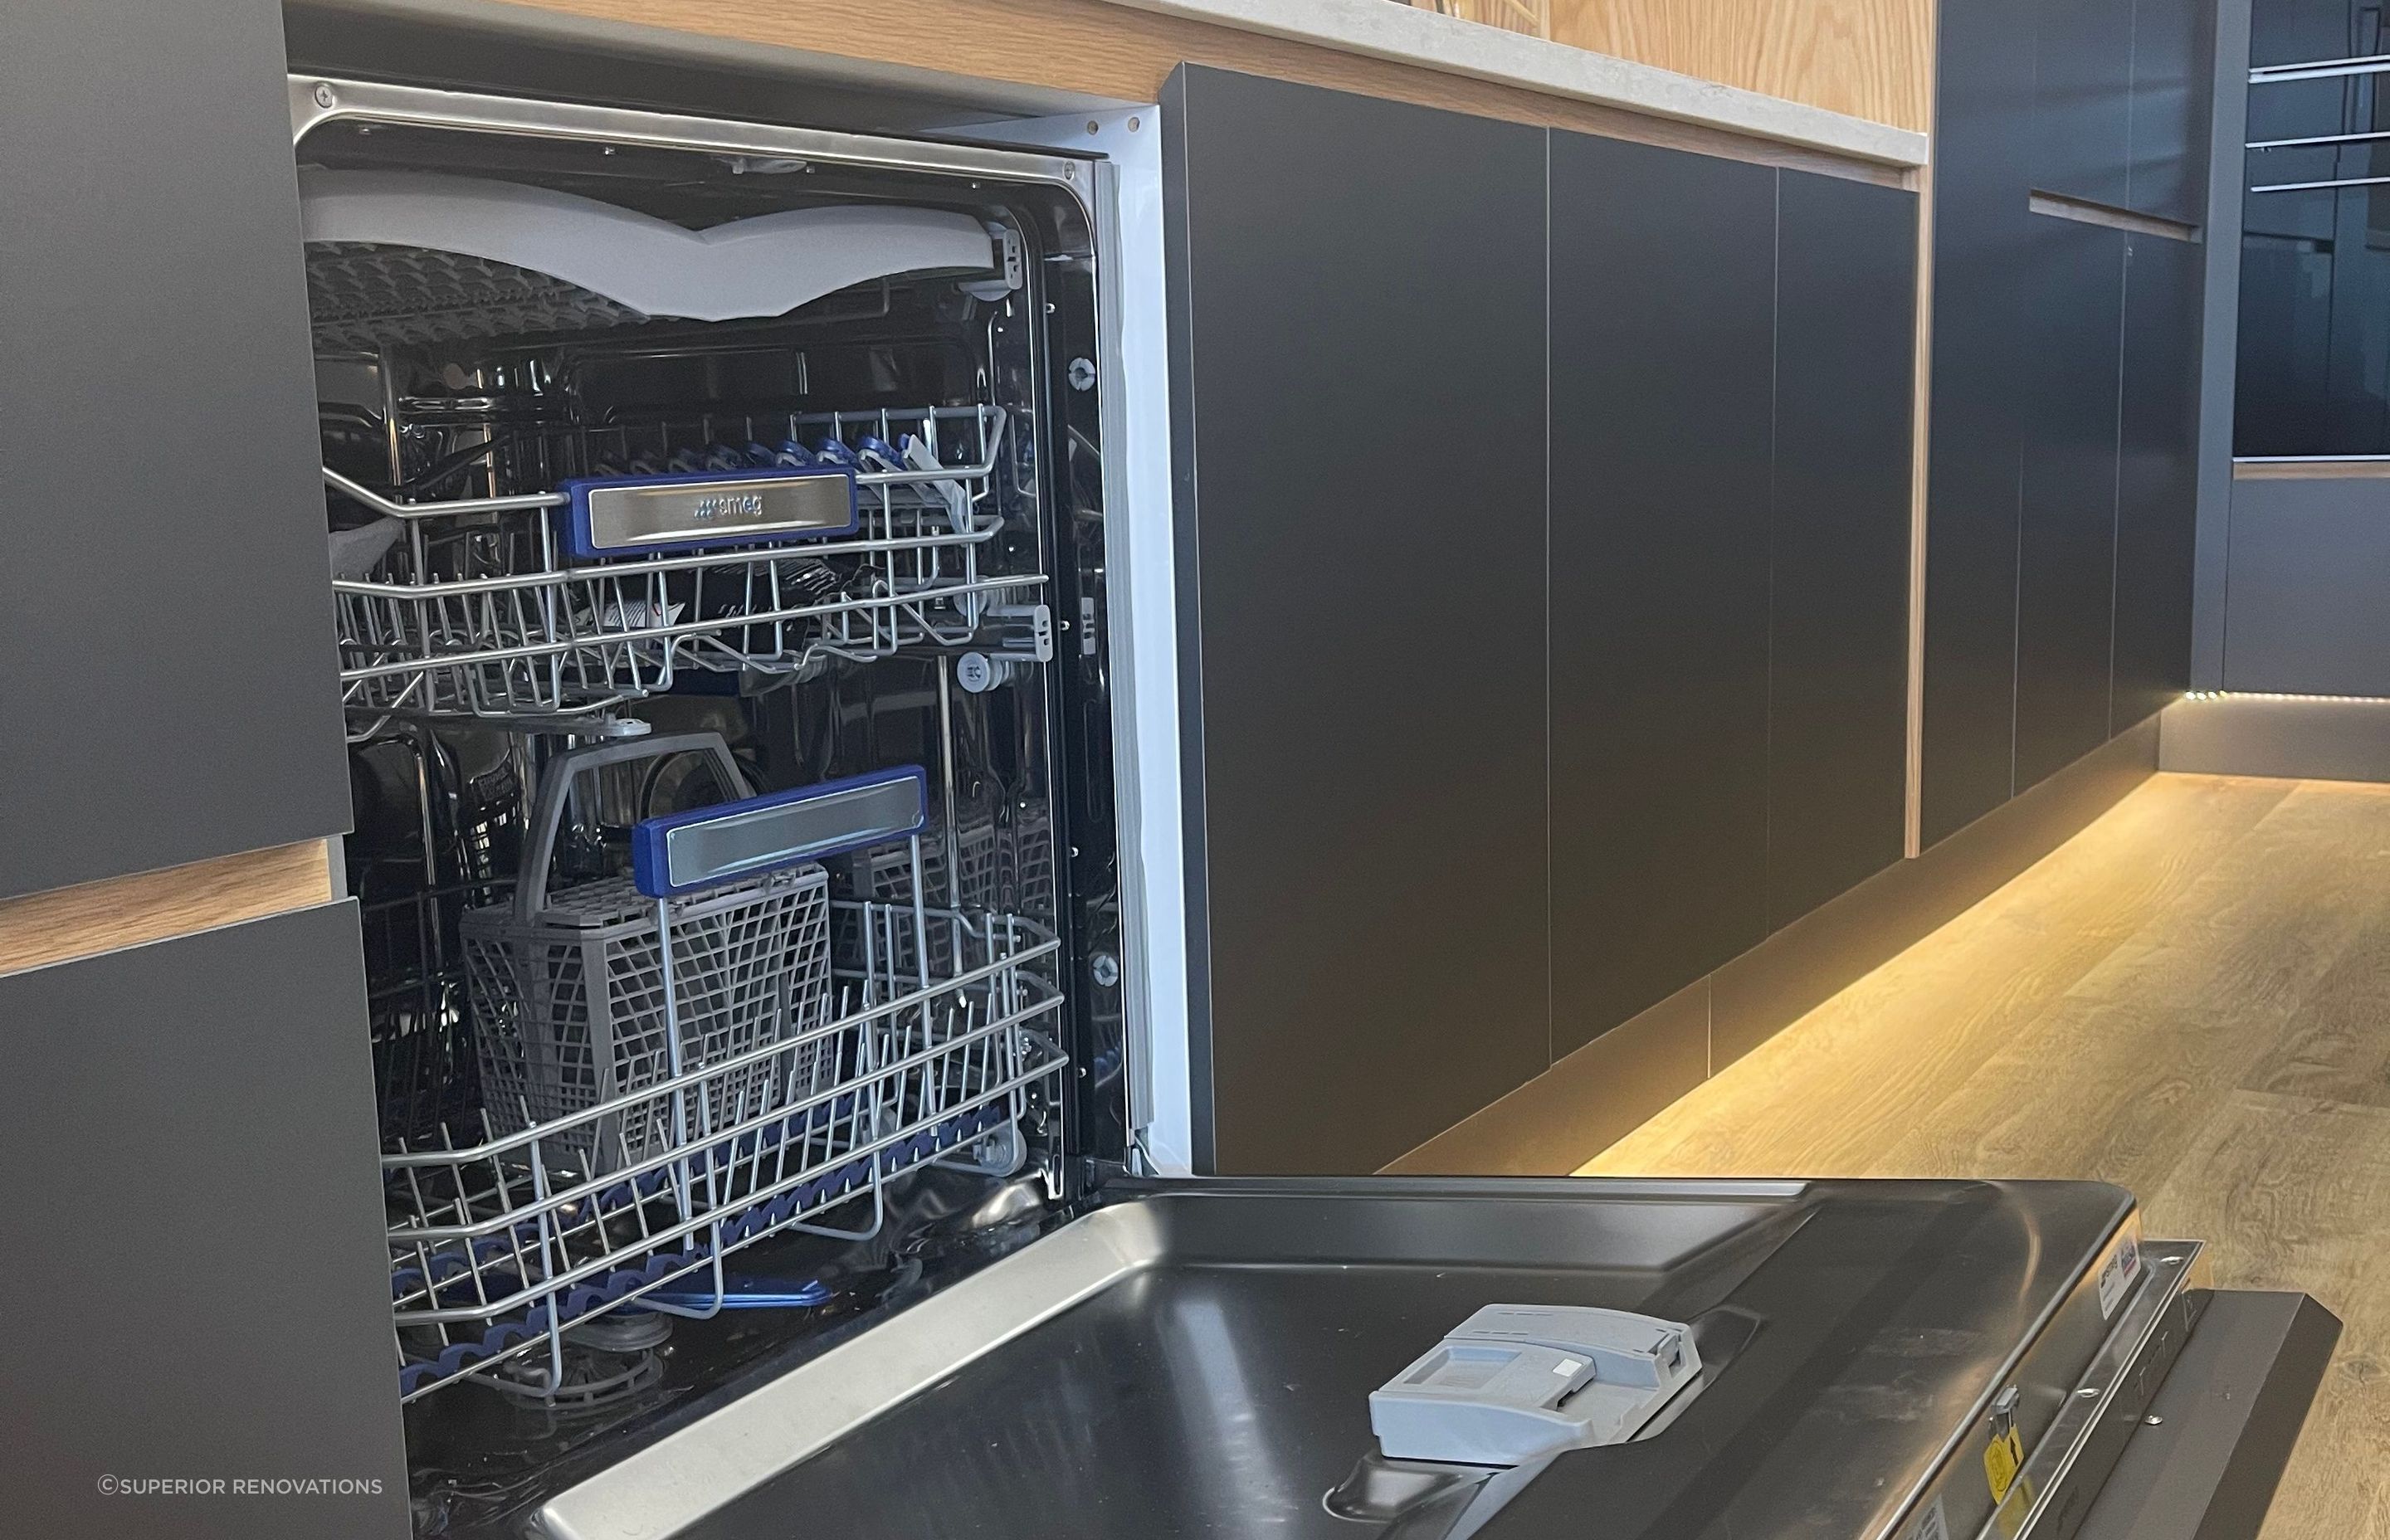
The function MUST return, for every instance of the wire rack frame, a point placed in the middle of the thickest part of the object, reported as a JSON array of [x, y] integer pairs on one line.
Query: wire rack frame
[[426, 1067], [477, 610], [499, 1247]]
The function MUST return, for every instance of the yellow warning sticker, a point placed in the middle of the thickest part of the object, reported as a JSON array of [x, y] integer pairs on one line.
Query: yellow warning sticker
[[2002, 1458], [2010, 1516]]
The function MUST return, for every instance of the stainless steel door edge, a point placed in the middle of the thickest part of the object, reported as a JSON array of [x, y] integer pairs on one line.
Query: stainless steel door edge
[[2049, 1368], [315, 101], [2055, 1489]]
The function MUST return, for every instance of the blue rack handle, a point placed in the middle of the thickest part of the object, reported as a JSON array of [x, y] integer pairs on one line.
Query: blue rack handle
[[684, 851], [695, 510]]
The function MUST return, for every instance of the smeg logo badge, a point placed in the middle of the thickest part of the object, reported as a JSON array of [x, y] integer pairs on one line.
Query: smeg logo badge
[[729, 505]]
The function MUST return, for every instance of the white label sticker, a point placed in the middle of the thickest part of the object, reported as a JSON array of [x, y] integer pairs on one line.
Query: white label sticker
[[1567, 1367], [1930, 1524], [2116, 1277]]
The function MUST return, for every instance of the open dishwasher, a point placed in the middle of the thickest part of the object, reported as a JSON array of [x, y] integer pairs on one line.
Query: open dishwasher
[[716, 518], [713, 529]]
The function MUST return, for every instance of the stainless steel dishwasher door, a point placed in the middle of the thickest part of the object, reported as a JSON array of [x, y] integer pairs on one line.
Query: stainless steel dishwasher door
[[1196, 1359]]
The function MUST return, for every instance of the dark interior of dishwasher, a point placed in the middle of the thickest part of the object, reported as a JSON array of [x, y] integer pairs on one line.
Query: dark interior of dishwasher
[[498, 382]]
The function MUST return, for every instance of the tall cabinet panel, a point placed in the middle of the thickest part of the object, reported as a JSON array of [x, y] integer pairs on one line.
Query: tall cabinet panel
[[2066, 538], [2158, 485], [2083, 79], [1982, 150], [166, 666], [1662, 273], [188, 1131], [1357, 356], [2173, 47], [1838, 538]]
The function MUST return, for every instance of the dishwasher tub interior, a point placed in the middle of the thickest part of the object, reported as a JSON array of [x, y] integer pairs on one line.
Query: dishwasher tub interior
[[699, 494]]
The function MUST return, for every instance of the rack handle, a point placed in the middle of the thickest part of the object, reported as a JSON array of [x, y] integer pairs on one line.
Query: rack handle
[[556, 787], [682, 851]]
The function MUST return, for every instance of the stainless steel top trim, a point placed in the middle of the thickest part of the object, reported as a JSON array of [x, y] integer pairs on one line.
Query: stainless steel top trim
[[317, 100]]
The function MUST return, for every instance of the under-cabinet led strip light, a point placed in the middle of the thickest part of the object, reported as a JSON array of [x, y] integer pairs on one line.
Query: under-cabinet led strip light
[[2278, 695]]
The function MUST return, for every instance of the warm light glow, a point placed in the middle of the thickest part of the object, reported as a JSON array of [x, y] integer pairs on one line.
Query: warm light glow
[[2271, 694]]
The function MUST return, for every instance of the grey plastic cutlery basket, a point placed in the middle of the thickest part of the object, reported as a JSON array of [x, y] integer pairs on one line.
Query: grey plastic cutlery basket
[[569, 986]]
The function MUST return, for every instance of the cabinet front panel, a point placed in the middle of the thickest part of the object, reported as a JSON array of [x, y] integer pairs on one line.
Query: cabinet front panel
[[1358, 297], [1663, 310], [166, 663]]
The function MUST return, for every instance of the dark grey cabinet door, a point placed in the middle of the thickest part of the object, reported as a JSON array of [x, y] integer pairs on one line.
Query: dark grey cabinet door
[[2157, 489], [166, 664], [2082, 99], [2174, 47], [2066, 538], [1982, 149], [1356, 290], [1662, 272], [189, 1138], [2304, 571], [1838, 538]]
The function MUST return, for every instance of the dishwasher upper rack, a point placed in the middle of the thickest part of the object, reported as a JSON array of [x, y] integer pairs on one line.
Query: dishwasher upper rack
[[499, 1247], [477, 606]]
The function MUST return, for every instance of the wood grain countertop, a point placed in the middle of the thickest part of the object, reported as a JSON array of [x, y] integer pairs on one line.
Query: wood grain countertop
[[1045, 57], [1380, 29]]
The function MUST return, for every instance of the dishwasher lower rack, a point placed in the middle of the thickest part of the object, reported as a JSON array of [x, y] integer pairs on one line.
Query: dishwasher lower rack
[[499, 1247], [481, 606]]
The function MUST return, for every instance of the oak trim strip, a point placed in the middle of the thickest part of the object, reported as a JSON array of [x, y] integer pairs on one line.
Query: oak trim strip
[[64, 924], [2084, 211], [1921, 467], [1921, 479]]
